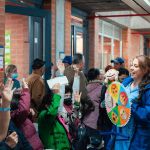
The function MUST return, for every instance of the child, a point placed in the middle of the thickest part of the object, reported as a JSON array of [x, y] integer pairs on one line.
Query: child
[[51, 129]]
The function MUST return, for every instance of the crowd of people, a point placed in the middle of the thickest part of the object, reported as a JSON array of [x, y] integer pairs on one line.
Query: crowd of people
[[31, 118]]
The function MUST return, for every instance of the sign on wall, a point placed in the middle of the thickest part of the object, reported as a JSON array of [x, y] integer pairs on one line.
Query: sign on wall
[[7, 48]]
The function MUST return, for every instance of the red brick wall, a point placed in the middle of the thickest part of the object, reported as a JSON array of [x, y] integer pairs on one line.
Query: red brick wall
[[67, 27], [116, 48], [131, 45], [2, 22], [2, 30], [92, 42], [17, 25], [96, 45], [51, 6]]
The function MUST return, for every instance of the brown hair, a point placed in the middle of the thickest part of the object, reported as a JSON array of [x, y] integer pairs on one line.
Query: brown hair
[[108, 67], [144, 65]]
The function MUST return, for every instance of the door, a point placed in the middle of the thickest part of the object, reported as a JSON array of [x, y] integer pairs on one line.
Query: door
[[36, 38], [39, 33]]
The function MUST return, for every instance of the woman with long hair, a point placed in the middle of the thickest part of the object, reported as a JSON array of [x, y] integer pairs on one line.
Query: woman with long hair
[[136, 133], [141, 106]]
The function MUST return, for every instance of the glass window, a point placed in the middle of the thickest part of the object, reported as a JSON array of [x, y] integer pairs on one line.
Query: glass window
[[79, 42]]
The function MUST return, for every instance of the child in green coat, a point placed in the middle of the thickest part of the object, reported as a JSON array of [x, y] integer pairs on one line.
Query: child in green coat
[[51, 129]]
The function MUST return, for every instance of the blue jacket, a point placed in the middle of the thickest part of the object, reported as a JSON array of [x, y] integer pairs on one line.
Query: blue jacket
[[141, 113], [127, 81]]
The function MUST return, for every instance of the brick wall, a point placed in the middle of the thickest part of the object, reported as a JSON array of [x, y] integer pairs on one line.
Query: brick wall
[[91, 31], [96, 46], [116, 48], [2, 30], [131, 45], [17, 25], [67, 27], [51, 6]]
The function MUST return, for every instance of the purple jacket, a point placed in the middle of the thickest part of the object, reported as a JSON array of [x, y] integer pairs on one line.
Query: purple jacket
[[20, 118], [94, 91]]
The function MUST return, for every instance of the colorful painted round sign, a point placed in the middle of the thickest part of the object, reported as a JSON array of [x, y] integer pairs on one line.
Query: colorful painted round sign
[[117, 104]]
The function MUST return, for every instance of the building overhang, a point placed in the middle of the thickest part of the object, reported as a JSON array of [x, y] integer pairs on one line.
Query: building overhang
[[127, 19], [92, 6]]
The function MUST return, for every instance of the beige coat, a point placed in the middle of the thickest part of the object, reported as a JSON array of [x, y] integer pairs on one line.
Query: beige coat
[[37, 89]]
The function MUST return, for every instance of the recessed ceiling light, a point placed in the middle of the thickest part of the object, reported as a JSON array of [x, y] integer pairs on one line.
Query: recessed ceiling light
[[147, 2]]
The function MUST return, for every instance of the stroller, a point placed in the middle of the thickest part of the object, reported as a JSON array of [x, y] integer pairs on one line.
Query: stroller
[[95, 144], [88, 141]]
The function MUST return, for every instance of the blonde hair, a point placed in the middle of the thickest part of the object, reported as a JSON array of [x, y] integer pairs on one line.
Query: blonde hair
[[10, 69]]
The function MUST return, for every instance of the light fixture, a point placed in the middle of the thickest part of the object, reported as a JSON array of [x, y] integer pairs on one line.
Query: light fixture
[[147, 2]]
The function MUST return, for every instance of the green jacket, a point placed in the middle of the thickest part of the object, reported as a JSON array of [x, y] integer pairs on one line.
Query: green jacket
[[51, 131]]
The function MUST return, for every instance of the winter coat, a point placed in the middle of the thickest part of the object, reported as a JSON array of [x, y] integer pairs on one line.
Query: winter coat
[[21, 120], [141, 113], [37, 90], [51, 130], [127, 81], [94, 91], [123, 135], [23, 144], [69, 73]]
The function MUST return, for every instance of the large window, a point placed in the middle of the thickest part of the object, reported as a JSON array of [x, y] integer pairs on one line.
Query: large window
[[77, 35], [110, 43]]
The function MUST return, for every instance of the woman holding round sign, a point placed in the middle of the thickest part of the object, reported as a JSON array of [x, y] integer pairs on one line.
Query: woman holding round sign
[[136, 133], [141, 106]]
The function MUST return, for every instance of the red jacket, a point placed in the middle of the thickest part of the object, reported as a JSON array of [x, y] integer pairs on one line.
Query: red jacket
[[20, 118]]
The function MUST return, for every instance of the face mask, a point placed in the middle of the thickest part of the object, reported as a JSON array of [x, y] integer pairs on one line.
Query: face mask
[[14, 75], [68, 101]]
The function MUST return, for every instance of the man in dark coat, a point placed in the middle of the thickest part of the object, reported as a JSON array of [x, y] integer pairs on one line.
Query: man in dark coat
[[77, 63]]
